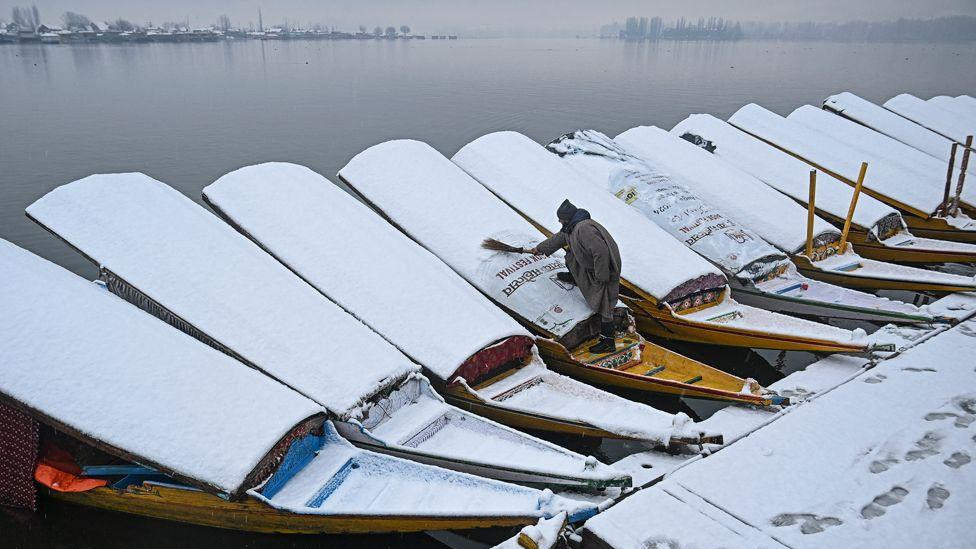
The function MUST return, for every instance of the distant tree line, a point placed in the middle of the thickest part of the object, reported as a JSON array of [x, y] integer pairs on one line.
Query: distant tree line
[[959, 28]]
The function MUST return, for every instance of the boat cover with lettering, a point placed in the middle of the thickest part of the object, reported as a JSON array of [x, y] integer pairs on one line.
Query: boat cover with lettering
[[773, 215], [838, 157], [780, 170], [155, 244], [664, 199], [78, 357], [357, 259], [450, 214], [534, 181]]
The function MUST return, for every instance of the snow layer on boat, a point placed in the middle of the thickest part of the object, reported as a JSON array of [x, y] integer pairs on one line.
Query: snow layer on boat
[[888, 271], [535, 182], [893, 125], [221, 283], [545, 534], [956, 106], [780, 170], [932, 117], [896, 474], [773, 215], [87, 359], [881, 146], [354, 257], [343, 480], [819, 148], [672, 206], [442, 208]]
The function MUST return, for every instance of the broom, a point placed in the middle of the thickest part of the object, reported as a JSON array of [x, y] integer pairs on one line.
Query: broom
[[499, 246]]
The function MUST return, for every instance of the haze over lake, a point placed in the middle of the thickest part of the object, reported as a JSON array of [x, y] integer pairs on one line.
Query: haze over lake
[[188, 113]]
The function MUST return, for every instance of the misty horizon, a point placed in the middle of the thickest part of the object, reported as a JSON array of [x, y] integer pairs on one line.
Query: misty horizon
[[481, 18]]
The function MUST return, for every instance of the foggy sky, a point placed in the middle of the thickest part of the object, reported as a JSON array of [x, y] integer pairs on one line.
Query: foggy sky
[[501, 15]]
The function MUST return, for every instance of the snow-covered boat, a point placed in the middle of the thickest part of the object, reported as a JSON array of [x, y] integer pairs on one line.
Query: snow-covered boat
[[896, 126], [962, 107], [878, 231], [916, 196], [933, 117], [410, 297], [779, 219], [674, 292], [441, 207], [759, 274], [213, 443], [171, 257]]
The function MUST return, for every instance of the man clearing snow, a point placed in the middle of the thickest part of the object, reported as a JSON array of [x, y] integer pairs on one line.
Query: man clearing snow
[[594, 265]]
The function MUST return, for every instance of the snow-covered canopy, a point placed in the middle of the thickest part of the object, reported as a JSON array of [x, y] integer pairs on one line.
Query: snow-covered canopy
[[957, 106], [361, 262], [749, 201], [535, 182], [838, 157], [893, 125], [780, 170], [219, 282], [82, 357], [666, 201], [927, 170], [450, 214], [931, 116]]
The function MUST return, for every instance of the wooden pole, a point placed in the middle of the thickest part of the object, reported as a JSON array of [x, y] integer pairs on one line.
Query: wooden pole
[[962, 175], [850, 212], [811, 206], [944, 207]]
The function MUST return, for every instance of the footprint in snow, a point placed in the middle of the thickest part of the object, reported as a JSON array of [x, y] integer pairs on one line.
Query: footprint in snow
[[927, 446], [966, 330], [962, 421], [958, 459], [661, 543], [809, 523], [876, 378], [936, 496], [878, 505], [935, 416], [882, 465], [966, 404], [911, 369]]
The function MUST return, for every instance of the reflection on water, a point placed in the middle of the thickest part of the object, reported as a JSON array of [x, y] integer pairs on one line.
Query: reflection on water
[[188, 113]]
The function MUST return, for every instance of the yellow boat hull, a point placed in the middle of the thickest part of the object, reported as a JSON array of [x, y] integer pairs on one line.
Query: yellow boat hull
[[200, 508], [872, 249], [938, 229], [665, 324]]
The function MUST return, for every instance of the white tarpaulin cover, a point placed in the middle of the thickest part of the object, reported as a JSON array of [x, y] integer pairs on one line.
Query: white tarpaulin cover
[[359, 261], [893, 125], [780, 170], [450, 214], [78, 354], [773, 215], [535, 182], [666, 201], [221, 283], [819, 148]]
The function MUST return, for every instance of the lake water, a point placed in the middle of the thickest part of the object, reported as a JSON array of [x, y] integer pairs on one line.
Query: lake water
[[188, 113]]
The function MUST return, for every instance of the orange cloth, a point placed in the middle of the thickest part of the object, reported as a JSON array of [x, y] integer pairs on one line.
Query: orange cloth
[[57, 470]]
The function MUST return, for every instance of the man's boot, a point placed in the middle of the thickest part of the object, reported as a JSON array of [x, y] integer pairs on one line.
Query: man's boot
[[607, 343]]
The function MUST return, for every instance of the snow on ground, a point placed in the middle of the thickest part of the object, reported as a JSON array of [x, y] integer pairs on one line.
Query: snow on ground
[[535, 182], [838, 157], [893, 125], [195, 265], [84, 357], [871, 458], [781, 171], [931, 116], [357, 259]]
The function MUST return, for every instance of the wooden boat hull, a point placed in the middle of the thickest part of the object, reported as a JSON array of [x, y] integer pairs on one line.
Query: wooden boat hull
[[655, 322], [720, 386], [785, 304], [938, 229], [873, 283], [523, 420], [196, 507], [872, 249]]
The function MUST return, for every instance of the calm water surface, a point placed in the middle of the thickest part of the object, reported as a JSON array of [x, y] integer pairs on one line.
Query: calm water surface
[[188, 113]]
